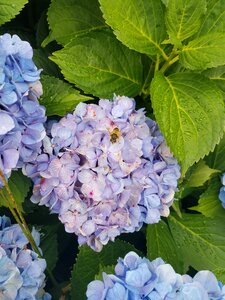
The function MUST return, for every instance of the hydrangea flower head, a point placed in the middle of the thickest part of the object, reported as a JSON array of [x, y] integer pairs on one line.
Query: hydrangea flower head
[[222, 191], [21, 116], [106, 170], [138, 278], [21, 270]]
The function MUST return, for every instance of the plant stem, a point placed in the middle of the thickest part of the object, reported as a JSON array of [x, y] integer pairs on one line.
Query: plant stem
[[171, 60], [169, 63], [12, 205], [157, 63]]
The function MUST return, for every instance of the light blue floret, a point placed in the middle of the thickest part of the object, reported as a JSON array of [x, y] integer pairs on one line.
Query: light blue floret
[[21, 116], [21, 270], [138, 278]]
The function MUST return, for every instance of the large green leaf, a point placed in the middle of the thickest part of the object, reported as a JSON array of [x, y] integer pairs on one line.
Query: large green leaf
[[72, 17], [183, 18], [102, 69], [137, 24], [204, 52], [214, 20], [190, 111], [58, 96], [201, 241], [209, 203], [19, 186], [9, 9], [218, 76], [89, 263], [160, 243]]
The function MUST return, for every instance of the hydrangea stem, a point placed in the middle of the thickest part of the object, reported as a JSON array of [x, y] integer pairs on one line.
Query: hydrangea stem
[[13, 207], [174, 57]]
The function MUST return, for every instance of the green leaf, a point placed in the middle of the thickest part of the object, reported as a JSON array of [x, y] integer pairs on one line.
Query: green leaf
[[105, 68], [89, 263], [201, 240], [214, 20], [42, 61], [205, 52], [209, 204], [199, 174], [49, 245], [190, 111], [216, 159], [10, 8], [218, 76], [183, 18], [105, 269], [160, 243], [73, 17], [137, 24], [19, 186], [58, 96]]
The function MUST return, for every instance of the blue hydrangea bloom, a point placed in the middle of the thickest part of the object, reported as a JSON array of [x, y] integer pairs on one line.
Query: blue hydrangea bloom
[[105, 170], [138, 278], [21, 116], [21, 270], [222, 191]]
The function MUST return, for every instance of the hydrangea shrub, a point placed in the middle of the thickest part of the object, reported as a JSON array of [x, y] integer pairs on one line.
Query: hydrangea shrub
[[112, 140]]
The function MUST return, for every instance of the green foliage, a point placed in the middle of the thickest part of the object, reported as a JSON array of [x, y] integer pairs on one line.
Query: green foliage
[[199, 174], [201, 241], [59, 97], [170, 56], [19, 186], [137, 24], [209, 204], [9, 9], [183, 19], [189, 110], [105, 68], [214, 20], [49, 244], [43, 62], [90, 263], [73, 17], [160, 243], [205, 52], [218, 76], [216, 159]]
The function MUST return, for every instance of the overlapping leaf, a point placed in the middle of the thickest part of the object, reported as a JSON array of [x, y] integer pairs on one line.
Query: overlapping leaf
[[205, 52], [190, 111], [214, 19], [183, 18], [59, 97], [160, 243], [72, 17], [102, 69], [209, 203], [137, 24], [201, 241], [9, 9]]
